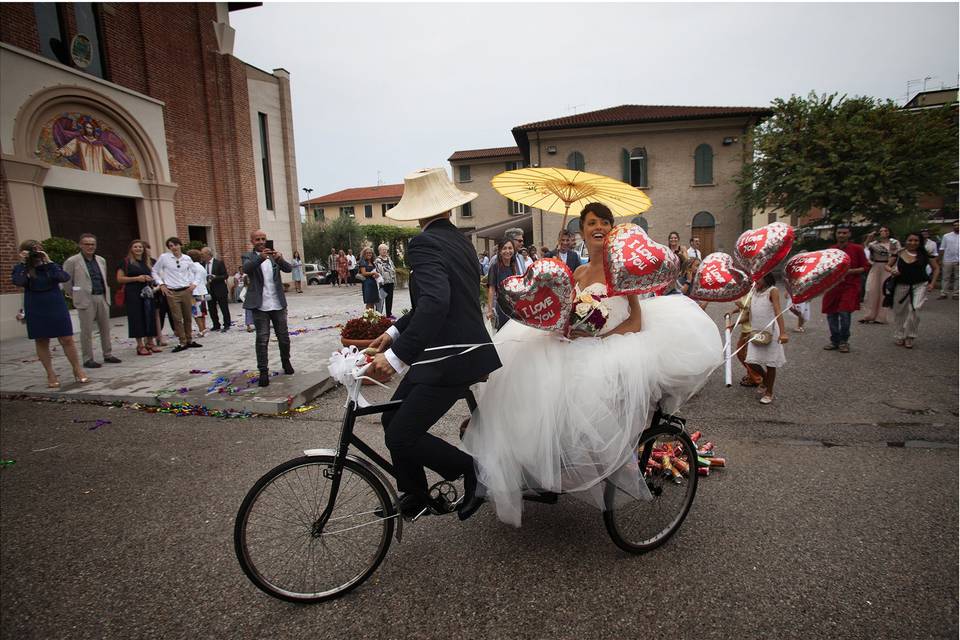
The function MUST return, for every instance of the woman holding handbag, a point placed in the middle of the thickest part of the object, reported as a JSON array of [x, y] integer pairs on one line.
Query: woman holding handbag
[[765, 347], [135, 274], [909, 268]]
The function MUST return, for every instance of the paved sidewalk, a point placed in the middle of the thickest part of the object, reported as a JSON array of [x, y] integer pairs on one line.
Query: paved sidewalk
[[221, 375]]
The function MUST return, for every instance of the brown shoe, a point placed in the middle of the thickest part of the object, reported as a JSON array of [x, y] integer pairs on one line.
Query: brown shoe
[[830, 347], [843, 347]]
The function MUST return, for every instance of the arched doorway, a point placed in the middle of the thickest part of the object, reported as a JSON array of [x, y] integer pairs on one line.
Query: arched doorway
[[703, 227]]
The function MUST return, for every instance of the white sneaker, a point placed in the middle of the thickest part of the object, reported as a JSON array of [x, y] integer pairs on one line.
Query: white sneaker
[[766, 399]]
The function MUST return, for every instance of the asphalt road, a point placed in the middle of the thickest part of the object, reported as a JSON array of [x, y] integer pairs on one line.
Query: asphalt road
[[837, 517]]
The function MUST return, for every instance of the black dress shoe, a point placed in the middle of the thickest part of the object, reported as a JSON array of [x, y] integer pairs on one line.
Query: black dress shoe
[[91, 364], [178, 348], [225, 329], [264, 379], [194, 345], [216, 328], [112, 360], [287, 367], [471, 501]]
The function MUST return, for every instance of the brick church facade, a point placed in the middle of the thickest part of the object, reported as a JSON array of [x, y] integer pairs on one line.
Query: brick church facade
[[136, 120]]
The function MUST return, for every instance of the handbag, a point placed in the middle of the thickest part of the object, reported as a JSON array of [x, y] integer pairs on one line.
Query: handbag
[[120, 295], [761, 338], [889, 286]]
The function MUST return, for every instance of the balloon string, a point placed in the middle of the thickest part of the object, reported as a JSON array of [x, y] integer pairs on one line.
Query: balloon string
[[739, 316], [768, 325]]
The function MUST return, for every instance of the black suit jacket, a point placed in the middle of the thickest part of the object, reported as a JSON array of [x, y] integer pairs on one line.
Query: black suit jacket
[[573, 259], [252, 262], [217, 285], [445, 296]]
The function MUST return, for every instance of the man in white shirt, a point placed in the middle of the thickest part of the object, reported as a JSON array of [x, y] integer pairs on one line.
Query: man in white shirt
[[266, 300], [565, 251], [352, 267], [693, 251], [173, 271], [949, 253]]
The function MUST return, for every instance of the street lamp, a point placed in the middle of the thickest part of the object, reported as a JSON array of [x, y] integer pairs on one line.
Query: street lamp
[[308, 191]]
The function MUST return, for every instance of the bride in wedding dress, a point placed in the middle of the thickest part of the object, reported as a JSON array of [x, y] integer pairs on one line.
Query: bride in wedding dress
[[565, 415]]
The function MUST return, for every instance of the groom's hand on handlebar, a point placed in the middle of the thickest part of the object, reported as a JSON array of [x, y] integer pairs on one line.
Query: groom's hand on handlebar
[[381, 344], [380, 368]]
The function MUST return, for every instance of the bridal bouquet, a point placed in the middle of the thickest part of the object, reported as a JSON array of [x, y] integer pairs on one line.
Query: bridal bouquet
[[589, 314]]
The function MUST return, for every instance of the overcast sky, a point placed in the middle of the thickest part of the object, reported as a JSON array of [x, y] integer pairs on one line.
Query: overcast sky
[[397, 87]]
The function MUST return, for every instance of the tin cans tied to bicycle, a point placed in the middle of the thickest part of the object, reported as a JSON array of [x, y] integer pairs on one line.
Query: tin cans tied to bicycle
[[672, 461]]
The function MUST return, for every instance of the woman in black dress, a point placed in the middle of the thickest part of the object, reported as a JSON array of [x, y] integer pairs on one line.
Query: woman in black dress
[[135, 274], [45, 308], [500, 269], [370, 288]]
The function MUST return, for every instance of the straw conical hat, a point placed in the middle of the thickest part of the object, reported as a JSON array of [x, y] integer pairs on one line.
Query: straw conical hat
[[426, 193]]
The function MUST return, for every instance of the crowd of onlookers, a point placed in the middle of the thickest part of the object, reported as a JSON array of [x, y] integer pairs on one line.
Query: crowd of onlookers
[[890, 278]]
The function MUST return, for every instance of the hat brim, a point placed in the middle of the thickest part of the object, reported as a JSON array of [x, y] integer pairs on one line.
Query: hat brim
[[405, 212]]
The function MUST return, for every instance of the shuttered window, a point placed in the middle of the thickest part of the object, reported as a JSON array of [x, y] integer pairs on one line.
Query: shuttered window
[[638, 167], [703, 165], [576, 161]]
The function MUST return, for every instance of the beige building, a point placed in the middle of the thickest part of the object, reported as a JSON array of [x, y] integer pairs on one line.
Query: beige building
[[367, 205], [490, 214], [684, 158]]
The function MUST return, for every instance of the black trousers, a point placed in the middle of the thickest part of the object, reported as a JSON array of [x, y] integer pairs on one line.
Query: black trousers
[[388, 301], [224, 304], [262, 321], [411, 446]]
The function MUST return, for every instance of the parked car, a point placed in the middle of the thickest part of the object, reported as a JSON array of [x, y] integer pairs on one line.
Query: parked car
[[315, 274]]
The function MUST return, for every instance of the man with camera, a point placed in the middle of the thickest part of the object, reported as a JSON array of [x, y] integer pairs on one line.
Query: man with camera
[[266, 300], [90, 292]]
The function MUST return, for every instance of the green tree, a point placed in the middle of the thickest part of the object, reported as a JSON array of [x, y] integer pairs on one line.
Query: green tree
[[59, 249], [855, 157]]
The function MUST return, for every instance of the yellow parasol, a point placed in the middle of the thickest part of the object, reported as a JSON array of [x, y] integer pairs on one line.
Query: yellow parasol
[[556, 190]]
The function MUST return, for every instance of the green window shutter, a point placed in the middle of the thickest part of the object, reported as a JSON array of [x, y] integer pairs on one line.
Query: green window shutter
[[625, 165], [703, 165]]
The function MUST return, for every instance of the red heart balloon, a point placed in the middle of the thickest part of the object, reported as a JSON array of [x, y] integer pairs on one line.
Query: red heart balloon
[[810, 274], [717, 280], [634, 264], [542, 297], [758, 251]]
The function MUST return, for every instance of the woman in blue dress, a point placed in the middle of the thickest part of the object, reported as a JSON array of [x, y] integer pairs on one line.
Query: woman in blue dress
[[370, 290], [45, 308], [297, 264]]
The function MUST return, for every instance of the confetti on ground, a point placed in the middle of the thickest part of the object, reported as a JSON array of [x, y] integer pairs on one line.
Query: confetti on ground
[[46, 448], [7, 463], [189, 409], [96, 423]]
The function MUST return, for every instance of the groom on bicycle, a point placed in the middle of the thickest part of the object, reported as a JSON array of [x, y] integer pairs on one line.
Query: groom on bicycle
[[436, 341]]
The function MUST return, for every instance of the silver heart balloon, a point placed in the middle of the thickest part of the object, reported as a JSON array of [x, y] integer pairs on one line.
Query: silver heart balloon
[[542, 297], [717, 280], [634, 264]]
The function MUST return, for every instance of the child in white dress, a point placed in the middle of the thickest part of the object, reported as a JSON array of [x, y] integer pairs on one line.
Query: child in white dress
[[764, 307]]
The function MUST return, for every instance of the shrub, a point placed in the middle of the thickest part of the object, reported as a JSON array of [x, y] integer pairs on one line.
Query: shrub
[[59, 249]]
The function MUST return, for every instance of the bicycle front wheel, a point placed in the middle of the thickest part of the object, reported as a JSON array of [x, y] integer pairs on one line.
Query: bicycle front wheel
[[639, 526], [286, 555]]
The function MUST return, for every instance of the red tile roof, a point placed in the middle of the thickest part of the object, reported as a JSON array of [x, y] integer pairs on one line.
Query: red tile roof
[[633, 113], [479, 154], [359, 194]]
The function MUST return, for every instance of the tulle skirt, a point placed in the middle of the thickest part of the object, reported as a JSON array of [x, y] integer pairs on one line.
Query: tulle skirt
[[564, 416]]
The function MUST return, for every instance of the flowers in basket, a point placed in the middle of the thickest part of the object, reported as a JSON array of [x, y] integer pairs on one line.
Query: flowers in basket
[[367, 327], [589, 314]]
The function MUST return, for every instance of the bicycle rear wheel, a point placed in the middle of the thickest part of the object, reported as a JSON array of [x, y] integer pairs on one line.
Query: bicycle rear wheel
[[286, 556], [639, 526]]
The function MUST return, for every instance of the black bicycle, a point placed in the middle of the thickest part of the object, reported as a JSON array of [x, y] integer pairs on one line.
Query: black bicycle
[[317, 526]]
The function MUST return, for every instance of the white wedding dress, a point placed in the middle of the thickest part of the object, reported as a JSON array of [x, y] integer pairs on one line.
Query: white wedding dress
[[565, 415]]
